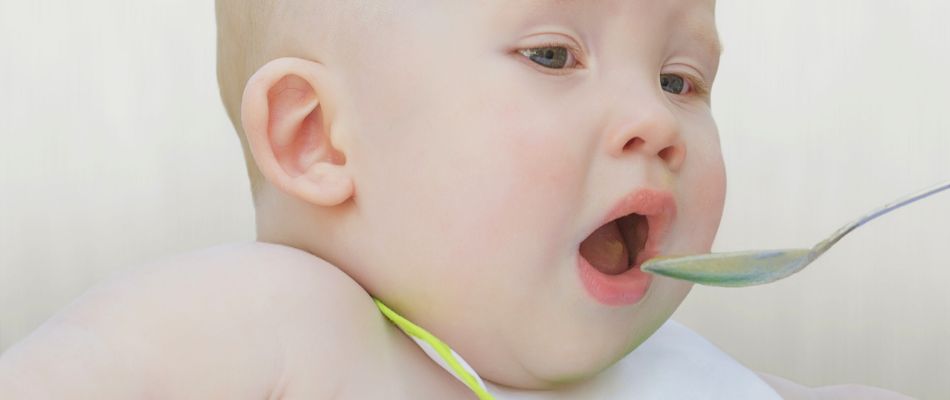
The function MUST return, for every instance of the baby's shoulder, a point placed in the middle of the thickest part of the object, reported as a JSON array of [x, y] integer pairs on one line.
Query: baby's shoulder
[[299, 324], [250, 320], [332, 340], [251, 286]]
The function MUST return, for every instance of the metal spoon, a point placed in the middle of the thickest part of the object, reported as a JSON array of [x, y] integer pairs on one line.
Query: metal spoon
[[756, 267]]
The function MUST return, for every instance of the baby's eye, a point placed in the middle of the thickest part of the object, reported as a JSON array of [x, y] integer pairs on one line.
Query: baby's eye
[[675, 84], [553, 57]]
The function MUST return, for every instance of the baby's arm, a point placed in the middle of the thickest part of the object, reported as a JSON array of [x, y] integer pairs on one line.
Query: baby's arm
[[230, 323], [65, 359]]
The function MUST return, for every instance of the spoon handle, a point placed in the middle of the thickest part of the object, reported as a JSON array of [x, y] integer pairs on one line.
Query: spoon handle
[[826, 244]]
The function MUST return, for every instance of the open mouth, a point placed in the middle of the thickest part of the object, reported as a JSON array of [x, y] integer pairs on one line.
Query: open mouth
[[608, 259], [614, 247]]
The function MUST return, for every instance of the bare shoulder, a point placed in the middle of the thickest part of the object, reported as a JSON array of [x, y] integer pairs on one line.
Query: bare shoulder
[[275, 315], [790, 390], [231, 321]]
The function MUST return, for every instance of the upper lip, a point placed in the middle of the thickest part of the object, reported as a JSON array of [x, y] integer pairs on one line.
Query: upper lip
[[659, 208]]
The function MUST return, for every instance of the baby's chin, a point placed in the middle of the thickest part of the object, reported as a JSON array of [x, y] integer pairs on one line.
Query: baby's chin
[[573, 363], [570, 371]]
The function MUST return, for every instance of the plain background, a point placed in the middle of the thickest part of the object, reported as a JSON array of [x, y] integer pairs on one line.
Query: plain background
[[116, 151]]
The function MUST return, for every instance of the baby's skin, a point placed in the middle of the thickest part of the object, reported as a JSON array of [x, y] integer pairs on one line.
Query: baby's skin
[[494, 171]]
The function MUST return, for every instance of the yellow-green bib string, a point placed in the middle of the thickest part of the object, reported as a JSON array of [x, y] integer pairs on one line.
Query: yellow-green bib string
[[441, 348]]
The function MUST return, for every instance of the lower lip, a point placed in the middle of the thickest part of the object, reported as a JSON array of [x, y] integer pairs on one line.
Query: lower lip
[[614, 290]]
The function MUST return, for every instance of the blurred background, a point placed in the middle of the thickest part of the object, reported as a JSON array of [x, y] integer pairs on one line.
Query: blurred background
[[116, 151]]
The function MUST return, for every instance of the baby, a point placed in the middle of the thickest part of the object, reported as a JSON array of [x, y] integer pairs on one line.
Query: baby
[[441, 188]]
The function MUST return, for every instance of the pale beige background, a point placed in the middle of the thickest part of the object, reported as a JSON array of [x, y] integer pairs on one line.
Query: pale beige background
[[115, 151]]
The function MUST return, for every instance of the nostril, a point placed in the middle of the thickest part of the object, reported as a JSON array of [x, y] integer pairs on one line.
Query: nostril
[[633, 144], [673, 156], [668, 154]]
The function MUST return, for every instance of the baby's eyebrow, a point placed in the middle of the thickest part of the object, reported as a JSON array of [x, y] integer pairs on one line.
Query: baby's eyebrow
[[548, 3], [697, 28], [700, 31], [707, 36]]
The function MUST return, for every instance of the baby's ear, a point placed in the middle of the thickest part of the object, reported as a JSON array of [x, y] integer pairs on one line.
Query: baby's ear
[[287, 113]]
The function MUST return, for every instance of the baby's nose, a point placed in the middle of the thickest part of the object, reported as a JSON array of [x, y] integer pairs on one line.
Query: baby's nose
[[652, 131]]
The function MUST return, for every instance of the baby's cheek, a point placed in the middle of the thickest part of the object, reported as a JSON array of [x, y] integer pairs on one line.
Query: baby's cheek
[[523, 165], [545, 178], [531, 186], [704, 183], [550, 165], [543, 151]]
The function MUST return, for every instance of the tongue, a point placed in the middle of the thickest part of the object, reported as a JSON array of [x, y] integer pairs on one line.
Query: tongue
[[605, 250]]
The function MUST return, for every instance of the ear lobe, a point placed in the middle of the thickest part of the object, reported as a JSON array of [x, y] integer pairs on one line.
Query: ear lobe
[[287, 116]]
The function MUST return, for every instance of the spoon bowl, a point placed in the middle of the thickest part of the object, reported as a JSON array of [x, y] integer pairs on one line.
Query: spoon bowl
[[757, 267]]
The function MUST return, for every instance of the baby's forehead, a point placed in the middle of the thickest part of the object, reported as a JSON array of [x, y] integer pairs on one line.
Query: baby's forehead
[[611, 8], [353, 27], [341, 11], [693, 20]]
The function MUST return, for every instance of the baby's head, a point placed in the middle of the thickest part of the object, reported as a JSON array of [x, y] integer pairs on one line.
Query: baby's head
[[463, 160]]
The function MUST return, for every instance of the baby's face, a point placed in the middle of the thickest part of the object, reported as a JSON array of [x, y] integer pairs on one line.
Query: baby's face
[[493, 138]]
